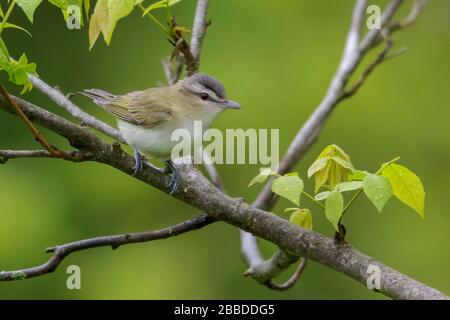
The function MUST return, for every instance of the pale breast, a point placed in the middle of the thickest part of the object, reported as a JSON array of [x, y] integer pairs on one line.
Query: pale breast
[[157, 142]]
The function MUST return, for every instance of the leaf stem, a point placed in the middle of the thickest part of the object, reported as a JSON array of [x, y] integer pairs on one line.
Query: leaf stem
[[7, 14], [156, 21], [310, 197], [356, 195]]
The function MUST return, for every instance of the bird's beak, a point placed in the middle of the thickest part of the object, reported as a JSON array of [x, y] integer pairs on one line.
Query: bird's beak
[[230, 104]]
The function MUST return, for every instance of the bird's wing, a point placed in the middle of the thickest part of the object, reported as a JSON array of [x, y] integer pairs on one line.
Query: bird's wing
[[144, 108]]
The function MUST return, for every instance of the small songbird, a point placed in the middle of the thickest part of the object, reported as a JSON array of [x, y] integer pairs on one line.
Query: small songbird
[[147, 118]]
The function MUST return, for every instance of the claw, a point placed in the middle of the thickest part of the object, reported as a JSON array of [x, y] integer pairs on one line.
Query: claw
[[175, 179], [138, 161]]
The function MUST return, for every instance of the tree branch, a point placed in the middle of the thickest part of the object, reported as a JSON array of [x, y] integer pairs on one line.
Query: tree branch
[[61, 100], [75, 155], [292, 280], [199, 29], [200, 193], [114, 241], [197, 191], [307, 135]]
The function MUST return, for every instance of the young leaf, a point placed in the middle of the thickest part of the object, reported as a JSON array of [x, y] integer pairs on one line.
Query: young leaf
[[357, 175], [321, 177], [17, 70], [29, 6], [331, 167], [87, 7], [10, 25], [377, 189], [317, 165], [334, 206], [349, 186], [117, 9], [99, 21], [406, 186], [262, 176], [105, 17], [343, 162], [160, 4], [302, 218], [4, 50], [322, 195], [289, 187], [64, 6]]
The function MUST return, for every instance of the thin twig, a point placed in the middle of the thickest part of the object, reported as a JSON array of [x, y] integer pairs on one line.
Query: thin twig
[[53, 151], [114, 241], [212, 172], [35, 132], [5, 155], [199, 29], [292, 280], [378, 60], [76, 155], [61, 100]]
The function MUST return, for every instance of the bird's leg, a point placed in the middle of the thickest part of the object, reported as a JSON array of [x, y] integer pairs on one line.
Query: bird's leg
[[175, 179], [138, 161]]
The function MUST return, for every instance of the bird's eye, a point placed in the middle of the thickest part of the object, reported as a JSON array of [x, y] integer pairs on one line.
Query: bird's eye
[[204, 96]]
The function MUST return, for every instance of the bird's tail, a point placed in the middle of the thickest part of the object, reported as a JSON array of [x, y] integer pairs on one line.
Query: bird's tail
[[98, 96]]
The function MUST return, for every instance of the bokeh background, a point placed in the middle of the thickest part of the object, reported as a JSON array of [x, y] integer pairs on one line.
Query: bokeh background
[[276, 59]]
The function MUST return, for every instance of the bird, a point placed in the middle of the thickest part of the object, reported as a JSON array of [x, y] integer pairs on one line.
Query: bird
[[147, 118]]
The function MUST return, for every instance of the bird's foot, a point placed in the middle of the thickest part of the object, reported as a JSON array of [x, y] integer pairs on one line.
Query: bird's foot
[[175, 178], [138, 161]]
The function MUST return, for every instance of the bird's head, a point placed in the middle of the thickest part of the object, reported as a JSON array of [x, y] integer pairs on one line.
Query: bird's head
[[206, 91]]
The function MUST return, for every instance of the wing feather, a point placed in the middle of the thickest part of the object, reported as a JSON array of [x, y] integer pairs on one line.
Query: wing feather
[[144, 108]]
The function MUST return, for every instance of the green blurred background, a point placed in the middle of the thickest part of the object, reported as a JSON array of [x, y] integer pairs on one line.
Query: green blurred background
[[276, 59]]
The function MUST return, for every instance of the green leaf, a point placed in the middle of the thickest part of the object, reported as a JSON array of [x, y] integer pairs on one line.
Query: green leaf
[[406, 186], [117, 9], [302, 218], [10, 25], [18, 73], [322, 195], [289, 187], [334, 206], [4, 50], [87, 7], [2, 14], [105, 17], [17, 70], [317, 165], [29, 7], [343, 162], [160, 4], [377, 189], [264, 173], [64, 6], [99, 21], [349, 186], [331, 167], [357, 175]]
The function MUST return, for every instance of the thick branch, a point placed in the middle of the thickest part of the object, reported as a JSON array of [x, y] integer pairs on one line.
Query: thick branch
[[197, 191], [307, 135]]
